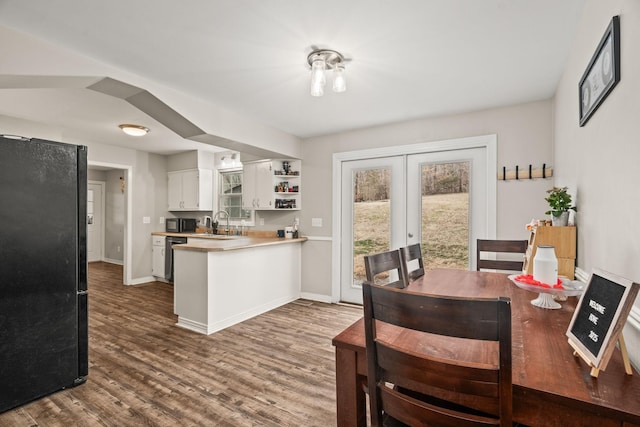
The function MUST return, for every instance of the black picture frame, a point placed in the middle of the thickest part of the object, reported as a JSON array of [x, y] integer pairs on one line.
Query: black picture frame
[[602, 73]]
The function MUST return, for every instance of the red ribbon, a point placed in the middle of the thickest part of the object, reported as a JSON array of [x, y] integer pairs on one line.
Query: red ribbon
[[528, 279]]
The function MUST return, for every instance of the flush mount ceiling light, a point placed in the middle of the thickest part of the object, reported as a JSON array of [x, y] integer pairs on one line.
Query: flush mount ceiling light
[[326, 59], [134, 130]]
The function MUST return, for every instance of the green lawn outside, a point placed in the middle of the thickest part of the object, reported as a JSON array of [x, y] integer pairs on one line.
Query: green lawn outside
[[445, 231]]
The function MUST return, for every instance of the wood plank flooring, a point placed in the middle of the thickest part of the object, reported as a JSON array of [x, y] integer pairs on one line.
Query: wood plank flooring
[[276, 369]]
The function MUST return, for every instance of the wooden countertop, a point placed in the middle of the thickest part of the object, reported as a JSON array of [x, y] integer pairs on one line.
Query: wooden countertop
[[218, 243]]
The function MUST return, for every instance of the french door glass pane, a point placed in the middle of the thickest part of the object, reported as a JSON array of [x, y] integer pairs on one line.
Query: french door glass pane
[[371, 217], [445, 215]]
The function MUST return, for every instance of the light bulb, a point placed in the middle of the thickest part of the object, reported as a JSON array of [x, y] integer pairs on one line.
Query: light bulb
[[339, 82], [318, 79]]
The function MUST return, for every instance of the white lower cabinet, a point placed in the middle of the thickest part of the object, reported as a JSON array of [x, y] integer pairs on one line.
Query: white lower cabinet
[[158, 250]]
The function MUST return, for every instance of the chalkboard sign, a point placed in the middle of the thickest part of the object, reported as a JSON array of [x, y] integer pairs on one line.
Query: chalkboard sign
[[600, 316]]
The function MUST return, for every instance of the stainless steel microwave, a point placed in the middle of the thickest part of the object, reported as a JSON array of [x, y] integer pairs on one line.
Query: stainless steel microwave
[[180, 225]]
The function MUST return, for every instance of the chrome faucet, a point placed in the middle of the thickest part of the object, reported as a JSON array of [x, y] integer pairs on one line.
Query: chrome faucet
[[215, 218]]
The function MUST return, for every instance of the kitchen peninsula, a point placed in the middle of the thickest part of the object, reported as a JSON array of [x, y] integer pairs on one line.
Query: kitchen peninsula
[[219, 282]]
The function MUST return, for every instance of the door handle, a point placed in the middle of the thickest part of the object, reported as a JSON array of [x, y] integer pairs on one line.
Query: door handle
[[410, 235]]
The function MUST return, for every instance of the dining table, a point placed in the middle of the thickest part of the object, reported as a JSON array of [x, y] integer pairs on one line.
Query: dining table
[[551, 385]]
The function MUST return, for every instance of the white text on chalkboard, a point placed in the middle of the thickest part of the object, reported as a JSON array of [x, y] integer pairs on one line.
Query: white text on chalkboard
[[593, 336], [593, 318], [597, 307]]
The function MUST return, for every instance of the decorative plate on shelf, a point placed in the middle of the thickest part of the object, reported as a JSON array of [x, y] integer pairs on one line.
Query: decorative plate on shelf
[[565, 286]]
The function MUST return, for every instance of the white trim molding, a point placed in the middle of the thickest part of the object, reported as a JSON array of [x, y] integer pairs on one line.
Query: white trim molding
[[634, 318], [316, 297], [319, 238], [581, 275]]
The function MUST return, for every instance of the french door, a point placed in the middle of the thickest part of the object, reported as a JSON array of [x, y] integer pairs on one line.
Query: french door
[[438, 198], [373, 201], [447, 206]]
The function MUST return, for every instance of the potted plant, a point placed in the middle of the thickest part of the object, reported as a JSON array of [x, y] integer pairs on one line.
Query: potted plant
[[560, 202]]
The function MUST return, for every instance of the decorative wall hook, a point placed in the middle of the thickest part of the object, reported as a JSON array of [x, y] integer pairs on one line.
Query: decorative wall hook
[[530, 173]]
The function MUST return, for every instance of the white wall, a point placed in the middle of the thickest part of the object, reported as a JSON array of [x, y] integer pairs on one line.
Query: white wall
[[524, 134], [600, 160]]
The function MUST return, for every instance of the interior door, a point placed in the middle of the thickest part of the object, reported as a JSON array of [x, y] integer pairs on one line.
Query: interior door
[[373, 212], [95, 220], [447, 205]]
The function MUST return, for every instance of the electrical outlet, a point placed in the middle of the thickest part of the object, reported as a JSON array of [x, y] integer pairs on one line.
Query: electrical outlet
[[161, 220], [118, 249], [261, 221]]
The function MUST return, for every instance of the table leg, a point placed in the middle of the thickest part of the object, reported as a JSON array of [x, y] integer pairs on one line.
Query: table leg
[[350, 396]]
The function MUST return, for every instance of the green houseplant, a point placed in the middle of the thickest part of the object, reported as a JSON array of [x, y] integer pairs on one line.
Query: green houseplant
[[560, 203]]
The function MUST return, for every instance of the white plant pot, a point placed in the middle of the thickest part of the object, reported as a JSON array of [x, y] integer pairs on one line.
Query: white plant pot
[[561, 220]]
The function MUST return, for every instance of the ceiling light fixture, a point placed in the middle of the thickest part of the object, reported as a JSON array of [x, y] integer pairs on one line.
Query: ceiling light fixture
[[134, 130], [325, 59]]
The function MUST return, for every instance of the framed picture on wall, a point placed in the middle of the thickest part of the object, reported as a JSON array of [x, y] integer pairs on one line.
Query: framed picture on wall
[[602, 73]]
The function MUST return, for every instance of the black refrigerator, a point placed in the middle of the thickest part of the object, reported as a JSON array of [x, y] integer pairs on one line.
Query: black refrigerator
[[43, 269]]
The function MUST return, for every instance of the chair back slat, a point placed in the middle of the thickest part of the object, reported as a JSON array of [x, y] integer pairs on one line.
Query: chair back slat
[[500, 247], [411, 253], [438, 387], [380, 268]]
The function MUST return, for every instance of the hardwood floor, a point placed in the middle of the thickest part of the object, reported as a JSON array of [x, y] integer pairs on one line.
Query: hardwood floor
[[276, 369]]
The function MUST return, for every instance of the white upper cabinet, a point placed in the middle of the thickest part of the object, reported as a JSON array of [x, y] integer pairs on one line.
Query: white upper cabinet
[[255, 192], [190, 190], [272, 185]]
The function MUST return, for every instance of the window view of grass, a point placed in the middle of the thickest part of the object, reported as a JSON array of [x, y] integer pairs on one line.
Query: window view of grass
[[445, 217], [445, 231]]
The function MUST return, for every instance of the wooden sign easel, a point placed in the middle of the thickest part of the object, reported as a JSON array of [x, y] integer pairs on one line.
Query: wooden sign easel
[[600, 315], [596, 370]]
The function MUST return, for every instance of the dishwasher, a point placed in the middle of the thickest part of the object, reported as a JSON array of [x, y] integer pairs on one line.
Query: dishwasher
[[168, 260]]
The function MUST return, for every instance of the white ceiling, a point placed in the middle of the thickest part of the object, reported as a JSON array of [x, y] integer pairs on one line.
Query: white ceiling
[[409, 58]]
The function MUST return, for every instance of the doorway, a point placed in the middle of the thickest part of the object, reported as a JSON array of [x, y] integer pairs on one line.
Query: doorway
[[124, 242], [442, 195]]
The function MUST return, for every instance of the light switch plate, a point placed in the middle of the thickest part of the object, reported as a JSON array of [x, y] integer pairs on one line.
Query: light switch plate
[[161, 220], [316, 222], [146, 220]]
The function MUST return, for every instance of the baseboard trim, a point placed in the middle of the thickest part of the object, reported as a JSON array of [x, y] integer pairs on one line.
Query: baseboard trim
[[141, 280], [192, 325], [581, 275], [316, 297]]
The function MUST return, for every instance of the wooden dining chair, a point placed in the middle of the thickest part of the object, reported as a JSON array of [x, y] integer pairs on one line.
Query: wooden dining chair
[[410, 256], [417, 385], [379, 268], [500, 247]]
